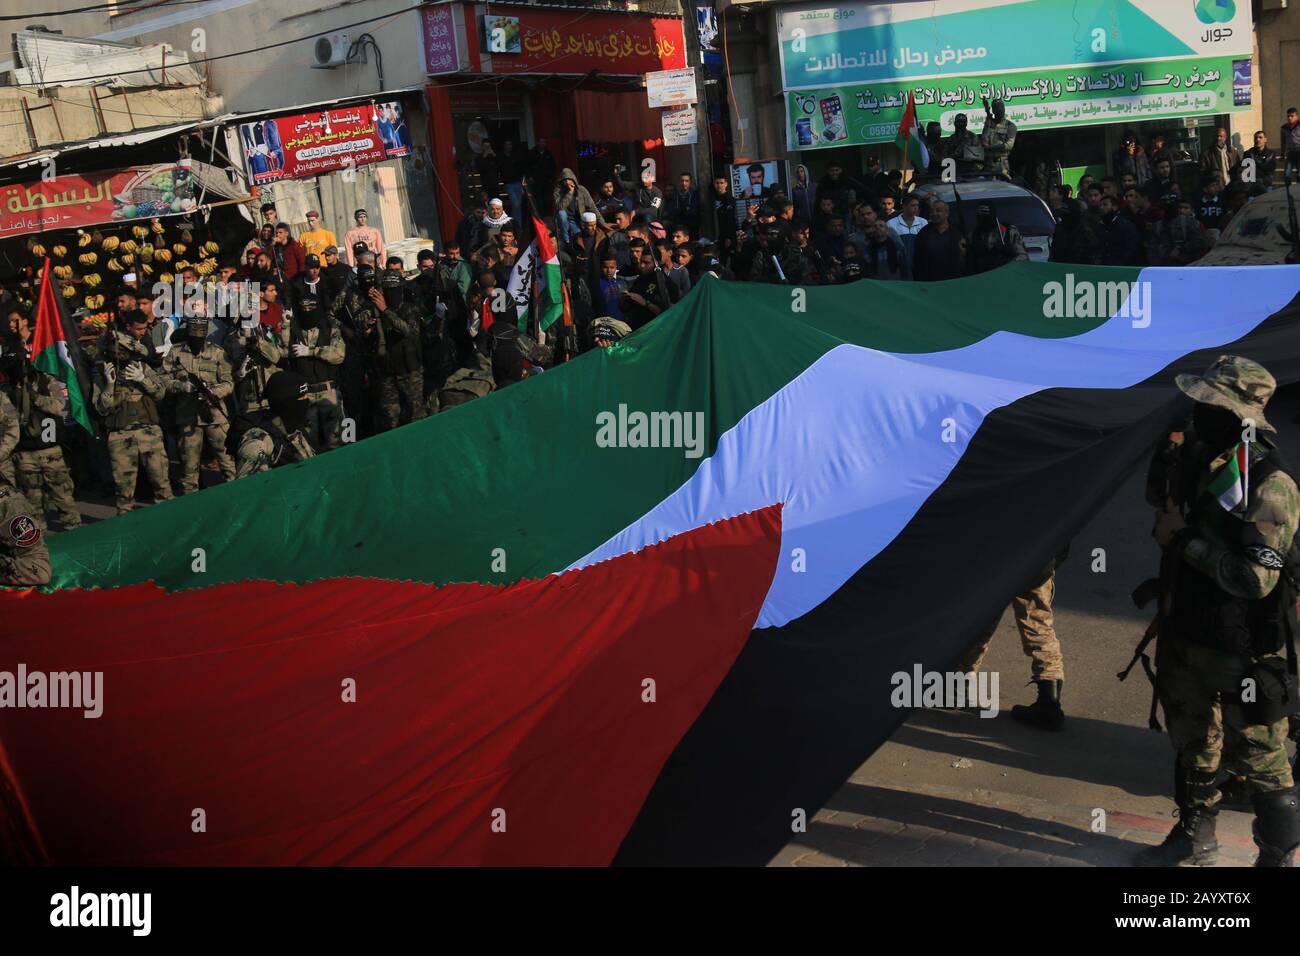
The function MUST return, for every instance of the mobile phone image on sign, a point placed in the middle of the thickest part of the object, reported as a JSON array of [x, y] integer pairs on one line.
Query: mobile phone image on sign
[[834, 126]]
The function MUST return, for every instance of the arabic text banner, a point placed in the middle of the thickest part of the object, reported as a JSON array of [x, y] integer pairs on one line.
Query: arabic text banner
[[559, 42], [307, 144], [68, 202], [868, 43], [870, 113]]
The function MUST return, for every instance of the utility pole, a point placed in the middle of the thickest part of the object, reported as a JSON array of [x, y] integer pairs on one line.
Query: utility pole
[[702, 151]]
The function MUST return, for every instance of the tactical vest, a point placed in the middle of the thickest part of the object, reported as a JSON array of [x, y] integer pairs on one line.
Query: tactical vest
[[313, 368], [31, 416], [1205, 614], [403, 350], [134, 407]]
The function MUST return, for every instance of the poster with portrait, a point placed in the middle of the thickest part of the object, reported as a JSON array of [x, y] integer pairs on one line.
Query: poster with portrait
[[756, 182]]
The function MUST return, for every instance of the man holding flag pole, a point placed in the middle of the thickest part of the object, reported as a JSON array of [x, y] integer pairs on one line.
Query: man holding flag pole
[[46, 394]]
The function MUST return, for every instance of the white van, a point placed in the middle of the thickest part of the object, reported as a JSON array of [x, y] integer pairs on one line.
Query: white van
[[1014, 206]]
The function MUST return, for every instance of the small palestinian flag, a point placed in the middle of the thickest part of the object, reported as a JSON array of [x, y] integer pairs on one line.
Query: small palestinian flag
[[1231, 483], [747, 552], [910, 139]]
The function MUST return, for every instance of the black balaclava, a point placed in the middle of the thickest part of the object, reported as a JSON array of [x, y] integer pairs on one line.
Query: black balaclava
[[308, 312], [286, 394], [1218, 427], [393, 286], [196, 333]]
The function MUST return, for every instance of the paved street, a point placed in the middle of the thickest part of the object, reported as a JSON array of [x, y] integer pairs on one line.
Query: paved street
[[952, 788]]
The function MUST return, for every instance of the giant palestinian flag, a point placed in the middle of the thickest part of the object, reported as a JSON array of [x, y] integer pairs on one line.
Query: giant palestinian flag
[[634, 610]]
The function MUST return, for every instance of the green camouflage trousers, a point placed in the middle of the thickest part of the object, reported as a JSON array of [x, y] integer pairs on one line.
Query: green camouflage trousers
[[130, 451], [1192, 681], [191, 439], [395, 391], [324, 419], [44, 478], [1033, 610], [7, 471]]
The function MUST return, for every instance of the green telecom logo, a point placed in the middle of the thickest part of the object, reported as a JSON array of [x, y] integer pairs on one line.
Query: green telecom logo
[[1215, 11]]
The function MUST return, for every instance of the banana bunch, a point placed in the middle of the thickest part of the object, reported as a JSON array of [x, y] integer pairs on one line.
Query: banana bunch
[[156, 225], [179, 248], [69, 291], [140, 232], [112, 265], [130, 245], [181, 264], [95, 302], [162, 254], [127, 258], [211, 248], [146, 269], [88, 259], [38, 250], [109, 243], [62, 272], [92, 281], [59, 251], [166, 277], [206, 267], [83, 239]]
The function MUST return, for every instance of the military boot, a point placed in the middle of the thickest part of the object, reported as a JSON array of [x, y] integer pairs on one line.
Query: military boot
[[1191, 842], [1277, 827], [1046, 711]]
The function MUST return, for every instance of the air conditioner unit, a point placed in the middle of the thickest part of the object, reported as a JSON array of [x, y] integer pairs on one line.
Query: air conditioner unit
[[331, 50]]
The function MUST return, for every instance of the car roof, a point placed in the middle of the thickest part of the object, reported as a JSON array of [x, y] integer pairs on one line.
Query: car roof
[[974, 189]]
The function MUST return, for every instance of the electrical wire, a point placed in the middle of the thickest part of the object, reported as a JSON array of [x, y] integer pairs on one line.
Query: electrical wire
[[731, 90]]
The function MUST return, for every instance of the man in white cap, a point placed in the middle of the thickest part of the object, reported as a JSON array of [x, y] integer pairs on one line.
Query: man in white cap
[[496, 218]]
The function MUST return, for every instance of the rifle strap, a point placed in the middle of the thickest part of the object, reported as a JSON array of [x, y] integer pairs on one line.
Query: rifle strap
[[1140, 654]]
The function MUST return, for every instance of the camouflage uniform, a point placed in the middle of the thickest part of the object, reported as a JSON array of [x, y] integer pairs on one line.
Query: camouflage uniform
[[198, 422], [131, 416], [998, 139], [267, 447], [9, 434], [24, 556], [253, 357], [1227, 603], [1033, 611], [327, 351], [395, 341], [42, 472], [466, 384], [353, 314]]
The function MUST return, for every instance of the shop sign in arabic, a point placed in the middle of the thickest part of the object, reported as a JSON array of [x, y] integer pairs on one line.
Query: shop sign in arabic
[[67, 202], [552, 43], [877, 42], [869, 113], [440, 51]]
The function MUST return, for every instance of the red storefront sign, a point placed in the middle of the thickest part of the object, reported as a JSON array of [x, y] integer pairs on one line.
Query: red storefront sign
[[67, 202], [560, 41], [307, 144]]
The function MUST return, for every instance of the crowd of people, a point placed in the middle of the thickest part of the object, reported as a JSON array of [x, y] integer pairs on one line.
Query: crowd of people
[[297, 344]]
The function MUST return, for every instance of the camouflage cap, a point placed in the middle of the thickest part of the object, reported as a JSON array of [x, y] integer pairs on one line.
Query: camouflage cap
[[608, 329], [1237, 384]]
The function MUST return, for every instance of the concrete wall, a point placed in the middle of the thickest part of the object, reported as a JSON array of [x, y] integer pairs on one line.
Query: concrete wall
[[272, 79], [1278, 66]]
